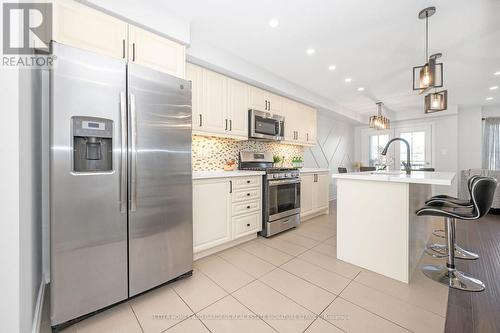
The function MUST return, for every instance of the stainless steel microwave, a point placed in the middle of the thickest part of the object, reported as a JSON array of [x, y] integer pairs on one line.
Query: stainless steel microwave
[[265, 125]]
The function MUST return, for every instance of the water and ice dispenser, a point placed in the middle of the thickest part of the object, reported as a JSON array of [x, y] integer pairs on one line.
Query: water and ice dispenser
[[92, 144]]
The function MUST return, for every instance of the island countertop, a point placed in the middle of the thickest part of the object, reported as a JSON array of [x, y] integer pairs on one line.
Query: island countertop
[[416, 177]]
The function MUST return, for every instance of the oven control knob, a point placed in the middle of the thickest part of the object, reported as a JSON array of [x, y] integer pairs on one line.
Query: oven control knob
[[288, 175]]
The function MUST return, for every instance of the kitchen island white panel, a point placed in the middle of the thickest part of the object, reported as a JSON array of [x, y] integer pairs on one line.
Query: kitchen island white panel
[[377, 228]]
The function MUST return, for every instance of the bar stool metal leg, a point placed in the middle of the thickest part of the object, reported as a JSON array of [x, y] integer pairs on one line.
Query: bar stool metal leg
[[441, 250], [449, 275]]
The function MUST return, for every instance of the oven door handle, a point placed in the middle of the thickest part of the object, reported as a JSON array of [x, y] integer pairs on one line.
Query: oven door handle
[[283, 182]]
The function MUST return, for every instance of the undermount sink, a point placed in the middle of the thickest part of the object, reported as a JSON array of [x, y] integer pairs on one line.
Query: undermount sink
[[389, 173]]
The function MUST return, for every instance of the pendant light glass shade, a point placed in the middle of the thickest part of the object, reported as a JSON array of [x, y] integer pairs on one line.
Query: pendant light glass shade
[[436, 101], [430, 75], [380, 122]]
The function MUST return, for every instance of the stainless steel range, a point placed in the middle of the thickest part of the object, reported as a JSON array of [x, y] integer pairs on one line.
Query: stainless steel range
[[281, 192]]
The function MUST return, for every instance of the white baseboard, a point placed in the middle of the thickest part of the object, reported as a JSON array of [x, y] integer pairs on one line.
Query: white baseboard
[[37, 318]]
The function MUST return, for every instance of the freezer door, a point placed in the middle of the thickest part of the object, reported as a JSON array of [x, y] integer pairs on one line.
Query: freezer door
[[88, 215], [160, 186]]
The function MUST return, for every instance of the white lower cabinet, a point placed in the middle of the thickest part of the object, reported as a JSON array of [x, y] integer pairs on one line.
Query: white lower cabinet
[[211, 213], [314, 193], [225, 210]]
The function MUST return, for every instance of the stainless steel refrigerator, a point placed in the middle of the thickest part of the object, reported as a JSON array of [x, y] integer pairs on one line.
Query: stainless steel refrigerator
[[120, 181]]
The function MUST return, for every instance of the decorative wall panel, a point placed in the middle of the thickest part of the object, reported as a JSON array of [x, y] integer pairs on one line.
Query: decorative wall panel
[[335, 147]]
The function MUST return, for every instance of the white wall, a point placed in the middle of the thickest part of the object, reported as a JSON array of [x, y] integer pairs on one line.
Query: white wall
[[335, 147], [30, 201], [9, 201]]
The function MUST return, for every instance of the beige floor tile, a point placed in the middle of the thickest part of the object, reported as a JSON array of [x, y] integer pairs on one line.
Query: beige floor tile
[[198, 291], [293, 237], [322, 326], [332, 241], [224, 274], [304, 293], [331, 264], [119, 319], [313, 233], [204, 260], [316, 275], [326, 249], [159, 309], [352, 318], [406, 315], [266, 253], [247, 262], [421, 291], [230, 316], [190, 325], [282, 245], [266, 302]]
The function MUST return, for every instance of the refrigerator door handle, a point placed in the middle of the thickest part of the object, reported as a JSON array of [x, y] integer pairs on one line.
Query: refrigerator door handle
[[133, 162], [123, 153]]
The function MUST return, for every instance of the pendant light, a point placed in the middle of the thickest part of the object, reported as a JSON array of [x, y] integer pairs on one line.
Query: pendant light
[[430, 75], [380, 122], [436, 101]]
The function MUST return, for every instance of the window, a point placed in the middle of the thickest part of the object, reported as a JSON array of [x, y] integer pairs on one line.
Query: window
[[417, 143], [491, 144], [377, 144]]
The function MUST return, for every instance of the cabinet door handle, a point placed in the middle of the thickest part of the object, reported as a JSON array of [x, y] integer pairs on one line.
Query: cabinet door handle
[[201, 120], [248, 224], [230, 124], [226, 124], [307, 136], [248, 207], [266, 104], [248, 182], [123, 48], [133, 51], [248, 194], [230, 186]]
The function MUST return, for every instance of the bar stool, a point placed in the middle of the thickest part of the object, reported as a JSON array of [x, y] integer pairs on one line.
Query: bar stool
[[482, 191], [441, 250]]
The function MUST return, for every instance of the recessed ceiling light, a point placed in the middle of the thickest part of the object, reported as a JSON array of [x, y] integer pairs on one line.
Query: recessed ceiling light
[[494, 88], [310, 51], [273, 23], [489, 98], [496, 73], [347, 80], [361, 89], [332, 67]]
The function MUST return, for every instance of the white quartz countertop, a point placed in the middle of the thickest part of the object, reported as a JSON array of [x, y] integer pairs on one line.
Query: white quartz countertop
[[311, 170], [225, 174], [416, 177]]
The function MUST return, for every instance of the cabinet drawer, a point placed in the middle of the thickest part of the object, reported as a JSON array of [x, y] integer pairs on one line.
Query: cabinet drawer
[[243, 182], [246, 224], [247, 194], [246, 207]]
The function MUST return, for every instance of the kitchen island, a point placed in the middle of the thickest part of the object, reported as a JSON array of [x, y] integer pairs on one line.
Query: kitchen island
[[377, 228]]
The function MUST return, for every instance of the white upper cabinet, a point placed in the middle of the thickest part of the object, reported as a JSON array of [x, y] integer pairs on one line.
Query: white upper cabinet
[[214, 97], [219, 104], [262, 100], [237, 108], [156, 52], [86, 28]]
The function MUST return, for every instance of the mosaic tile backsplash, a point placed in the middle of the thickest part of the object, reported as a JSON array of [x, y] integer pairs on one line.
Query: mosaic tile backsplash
[[211, 153]]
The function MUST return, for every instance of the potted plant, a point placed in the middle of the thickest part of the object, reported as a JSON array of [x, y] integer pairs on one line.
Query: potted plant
[[277, 159], [297, 162]]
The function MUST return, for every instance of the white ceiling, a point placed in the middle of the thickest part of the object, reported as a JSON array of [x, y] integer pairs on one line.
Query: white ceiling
[[375, 42]]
